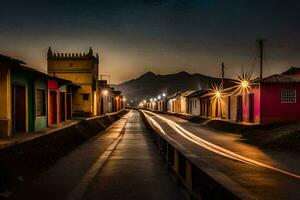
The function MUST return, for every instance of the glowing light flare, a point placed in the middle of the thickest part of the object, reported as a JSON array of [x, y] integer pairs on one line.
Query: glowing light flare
[[243, 83], [216, 92], [216, 148], [105, 92]]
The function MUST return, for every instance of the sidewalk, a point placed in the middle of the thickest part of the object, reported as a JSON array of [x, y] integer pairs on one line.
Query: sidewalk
[[58, 181], [24, 137]]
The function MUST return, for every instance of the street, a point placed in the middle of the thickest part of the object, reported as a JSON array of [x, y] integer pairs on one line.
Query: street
[[265, 174], [121, 163]]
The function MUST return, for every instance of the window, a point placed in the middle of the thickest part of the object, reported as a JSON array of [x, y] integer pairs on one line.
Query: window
[[85, 97], [288, 96], [40, 102]]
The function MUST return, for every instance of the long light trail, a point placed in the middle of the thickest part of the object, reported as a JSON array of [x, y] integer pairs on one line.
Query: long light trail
[[215, 148]]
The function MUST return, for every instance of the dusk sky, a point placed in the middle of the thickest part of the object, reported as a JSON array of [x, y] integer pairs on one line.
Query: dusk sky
[[162, 36]]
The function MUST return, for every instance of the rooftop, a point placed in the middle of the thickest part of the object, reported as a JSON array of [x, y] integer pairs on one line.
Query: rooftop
[[280, 78]]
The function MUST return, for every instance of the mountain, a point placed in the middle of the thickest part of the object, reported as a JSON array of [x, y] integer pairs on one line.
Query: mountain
[[151, 85]]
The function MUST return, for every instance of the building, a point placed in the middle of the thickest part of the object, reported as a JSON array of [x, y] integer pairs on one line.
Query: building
[[109, 100], [173, 103], [24, 102], [178, 102], [59, 100], [273, 99], [82, 70], [194, 104]]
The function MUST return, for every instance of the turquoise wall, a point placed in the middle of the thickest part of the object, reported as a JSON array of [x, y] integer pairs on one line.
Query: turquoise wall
[[31, 81], [42, 121]]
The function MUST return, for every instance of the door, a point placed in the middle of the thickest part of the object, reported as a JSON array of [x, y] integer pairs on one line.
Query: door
[[52, 107], [239, 116], [251, 107], [19, 108], [208, 108], [62, 102], [69, 106]]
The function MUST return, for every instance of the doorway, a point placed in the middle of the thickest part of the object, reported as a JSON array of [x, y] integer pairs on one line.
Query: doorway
[[251, 107], [69, 106], [239, 116], [62, 106], [19, 117], [52, 107]]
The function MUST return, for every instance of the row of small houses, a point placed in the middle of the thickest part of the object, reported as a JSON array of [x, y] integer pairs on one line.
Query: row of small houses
[[273, 99], [31, 100]]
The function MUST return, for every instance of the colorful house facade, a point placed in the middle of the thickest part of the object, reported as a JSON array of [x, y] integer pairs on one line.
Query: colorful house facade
[[31, 100], [60, 100], [24, 102], [272, 99]]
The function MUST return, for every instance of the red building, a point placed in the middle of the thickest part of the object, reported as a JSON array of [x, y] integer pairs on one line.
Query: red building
[[274, 99], [60, 100], [280, 95]]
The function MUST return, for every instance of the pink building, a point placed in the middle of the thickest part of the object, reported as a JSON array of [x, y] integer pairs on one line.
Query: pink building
[[274, 99]]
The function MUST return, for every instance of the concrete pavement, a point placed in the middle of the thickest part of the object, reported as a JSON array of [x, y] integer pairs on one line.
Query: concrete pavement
[[134, 169]]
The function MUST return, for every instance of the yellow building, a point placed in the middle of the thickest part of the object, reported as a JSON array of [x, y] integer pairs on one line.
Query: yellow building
[[82, 70], [5, 106]]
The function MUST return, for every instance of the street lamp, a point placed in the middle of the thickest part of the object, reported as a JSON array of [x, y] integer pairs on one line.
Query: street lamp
[[218, 94], [244, 83], [164, 94], [105, 92]]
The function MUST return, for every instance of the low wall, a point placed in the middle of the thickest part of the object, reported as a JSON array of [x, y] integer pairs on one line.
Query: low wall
[[25, 159], [203, 182]]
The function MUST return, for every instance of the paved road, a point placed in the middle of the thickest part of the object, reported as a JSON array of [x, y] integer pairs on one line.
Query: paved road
[[108, 166], [260, 181], [134, 170]]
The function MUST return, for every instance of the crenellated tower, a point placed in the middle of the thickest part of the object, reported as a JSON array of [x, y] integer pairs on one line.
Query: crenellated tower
[[82, 69]]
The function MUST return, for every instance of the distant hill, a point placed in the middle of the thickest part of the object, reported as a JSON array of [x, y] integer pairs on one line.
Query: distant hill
[[150, 85]]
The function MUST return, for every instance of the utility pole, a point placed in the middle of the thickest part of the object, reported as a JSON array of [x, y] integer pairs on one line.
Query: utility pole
[[260, 43], [104, 75], [223, 66]]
